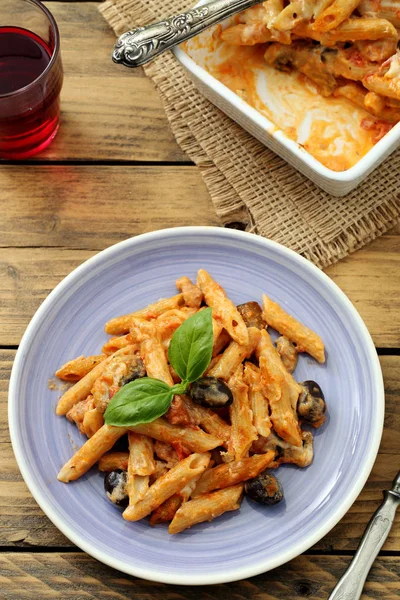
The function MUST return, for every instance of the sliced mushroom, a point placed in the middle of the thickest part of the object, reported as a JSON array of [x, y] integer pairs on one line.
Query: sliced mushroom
[[264, 489], [311, 406], [302, 456], [251, 313], [136, 371], [288, 353]]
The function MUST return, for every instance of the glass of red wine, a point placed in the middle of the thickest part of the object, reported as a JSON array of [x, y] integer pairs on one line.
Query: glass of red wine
[[31, 77]]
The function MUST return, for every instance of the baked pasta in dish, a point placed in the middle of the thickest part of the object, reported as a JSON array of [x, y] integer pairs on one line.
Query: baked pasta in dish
[[346, 48]]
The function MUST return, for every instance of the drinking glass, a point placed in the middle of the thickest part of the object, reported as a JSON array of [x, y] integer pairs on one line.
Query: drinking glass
[[31, 78]]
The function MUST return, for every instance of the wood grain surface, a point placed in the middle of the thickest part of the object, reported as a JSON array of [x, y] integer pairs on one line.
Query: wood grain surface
[[115, 171], [75, 576]]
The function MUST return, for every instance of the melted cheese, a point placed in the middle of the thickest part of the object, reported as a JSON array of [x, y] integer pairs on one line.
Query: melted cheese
[[394, 69], [328, 128]]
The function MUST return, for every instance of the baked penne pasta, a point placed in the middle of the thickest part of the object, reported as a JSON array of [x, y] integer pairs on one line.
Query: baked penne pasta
[[140, 465], [102, 441], [355, 39], [83, 387], [234, 355], [166, 511], [192, 295], [168, 485], [334, 14], [243, 432], [77, 368], [223, 429], [109, 382], [304, 338], [115, 343], [211, 422], [283, 417], [223, 308], [387, 80], [258, 400], [121, 325], [141, 454], [232, 473], [221, 342], [195, 439], [267, 349], [114, 460], [356, 29], [206, 508]]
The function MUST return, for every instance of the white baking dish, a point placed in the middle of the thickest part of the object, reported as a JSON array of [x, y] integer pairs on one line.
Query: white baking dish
[[334, 182]]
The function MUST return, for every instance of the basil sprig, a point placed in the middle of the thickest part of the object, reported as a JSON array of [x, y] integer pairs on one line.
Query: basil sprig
[[146, 399]]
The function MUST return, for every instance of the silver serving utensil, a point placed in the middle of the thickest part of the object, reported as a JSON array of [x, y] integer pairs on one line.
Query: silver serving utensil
[[139, 46], [351, 584]]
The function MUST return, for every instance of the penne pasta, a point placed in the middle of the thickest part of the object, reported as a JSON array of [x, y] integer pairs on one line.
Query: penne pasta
[[151, 350], [115, 343], [234, 355], [267, 349], [209, 420], [192, 295], [77, 368], [355, 29], [193, 438], [304, 338], [141, 454], [258, 400], [168, 485], [223, 308], [283, 417], [140, 465], [83, 387], [93, 420], [121, 325], [335, 14], [110, 380], [232, 473], [243, 432], [386, 81], [166, 511], [113, 460], [206, 508], [102, 441], [221, 342]]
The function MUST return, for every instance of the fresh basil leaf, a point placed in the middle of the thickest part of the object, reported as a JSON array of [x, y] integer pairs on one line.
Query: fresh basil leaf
[[191, 346], [140, 401], [180, 388]]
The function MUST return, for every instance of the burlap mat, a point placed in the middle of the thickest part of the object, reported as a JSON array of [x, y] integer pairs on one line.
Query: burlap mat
[[250, 184]]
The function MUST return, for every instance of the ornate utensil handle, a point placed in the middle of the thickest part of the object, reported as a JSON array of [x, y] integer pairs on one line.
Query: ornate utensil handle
[[139, 46], [350, 586]]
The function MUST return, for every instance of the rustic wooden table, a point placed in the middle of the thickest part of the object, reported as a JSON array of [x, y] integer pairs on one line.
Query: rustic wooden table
[[115, 171]]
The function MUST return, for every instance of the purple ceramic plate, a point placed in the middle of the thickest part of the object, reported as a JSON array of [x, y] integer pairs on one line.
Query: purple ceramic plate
[[243, 543]]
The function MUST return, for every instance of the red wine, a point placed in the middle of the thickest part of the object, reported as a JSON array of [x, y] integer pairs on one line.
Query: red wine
[[23, 57], [29, 93]]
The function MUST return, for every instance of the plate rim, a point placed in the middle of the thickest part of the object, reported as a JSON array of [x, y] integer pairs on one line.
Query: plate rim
[[226, 575]]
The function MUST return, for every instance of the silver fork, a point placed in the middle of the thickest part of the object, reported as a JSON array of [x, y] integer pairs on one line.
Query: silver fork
[[351, 584], [139, 46]]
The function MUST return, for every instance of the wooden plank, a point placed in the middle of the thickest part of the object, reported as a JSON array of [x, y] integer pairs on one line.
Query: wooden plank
[[92, 207], [31, 273], [109, 112], [23, 524], [75, 576], [370, 279]]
